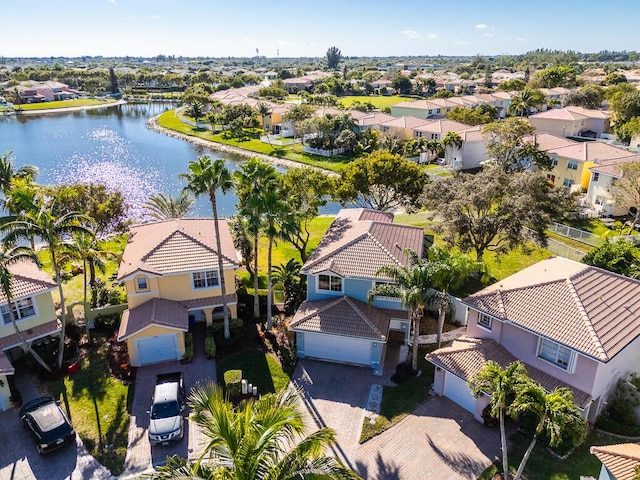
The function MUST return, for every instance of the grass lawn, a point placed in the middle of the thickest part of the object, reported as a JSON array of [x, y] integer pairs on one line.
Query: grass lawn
[[379, 101], [81, 102], [109, 408], [259, 368], [253, 144], [400, 400], [543, 466]]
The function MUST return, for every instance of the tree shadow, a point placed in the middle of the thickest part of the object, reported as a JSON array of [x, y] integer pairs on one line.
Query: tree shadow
[[254, 366], [458, 460], [383, 471]]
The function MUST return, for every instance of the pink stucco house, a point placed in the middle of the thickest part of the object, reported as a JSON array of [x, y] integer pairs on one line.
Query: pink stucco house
[[571, 324]]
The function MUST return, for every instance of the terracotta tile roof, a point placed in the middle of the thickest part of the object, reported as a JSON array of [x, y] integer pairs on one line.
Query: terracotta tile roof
[[548, 141], [405, 122], [360, 241], [176, 246], [27, 280], [466, 357], [570, 113], [598, 152], [613, 167], [444, 127], [49, 328], [588, 309], [621, 459], [209, 301], [345, 316], [374, 119], [157, 311]]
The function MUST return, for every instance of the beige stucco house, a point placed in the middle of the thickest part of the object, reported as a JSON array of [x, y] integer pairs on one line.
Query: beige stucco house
[[571, 122], [171, 276]]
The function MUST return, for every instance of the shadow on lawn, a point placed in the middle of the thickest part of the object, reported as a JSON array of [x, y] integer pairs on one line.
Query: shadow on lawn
[[254, 366]]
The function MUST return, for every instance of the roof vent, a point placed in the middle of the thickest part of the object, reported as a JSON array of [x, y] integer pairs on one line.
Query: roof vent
[[397, 245]]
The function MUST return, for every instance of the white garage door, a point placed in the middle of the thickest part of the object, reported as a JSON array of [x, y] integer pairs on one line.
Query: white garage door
[[457, 390], [157, 349], [336, 348]]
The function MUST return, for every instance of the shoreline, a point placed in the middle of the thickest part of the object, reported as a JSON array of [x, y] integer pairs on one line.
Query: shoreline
[[67, 109], [152, 124]]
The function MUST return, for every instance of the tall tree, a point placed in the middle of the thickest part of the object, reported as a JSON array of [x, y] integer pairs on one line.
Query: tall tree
[[413, 285], [508, 145], [264, 111], [381, 181], [616, 256], [289, 276], [494, 210], [451, 142], [8, 172], [165, 207], [242, 241], [333, 57], [523, 102], [501, 384], [626, 190], [113, 81], [207, 177]]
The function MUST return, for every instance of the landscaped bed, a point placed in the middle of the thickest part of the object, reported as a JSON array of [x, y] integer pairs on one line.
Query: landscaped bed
[[260, 368]]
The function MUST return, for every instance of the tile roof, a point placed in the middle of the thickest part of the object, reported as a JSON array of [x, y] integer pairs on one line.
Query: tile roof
[[548, 141], [598, 152], [157, 311], [588, 309], [613, 167], [5, 365], [360, 241], [49, 328], [27, 280], [175, 246], [444, 126], [406, 121], [345, 316], [620, 459], [570, 113], [466, 357]]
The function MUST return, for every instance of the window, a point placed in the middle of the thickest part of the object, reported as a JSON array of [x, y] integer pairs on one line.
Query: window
[[430, 112], [434, 136], [599, 200], [596, 176], [554, 162], [418, 134], [21, 309], [551, 178], [438, 111], [329, 283], [142, 283], [567, 182], [485, 321], [207, 279], [555, 353], [572, 164]]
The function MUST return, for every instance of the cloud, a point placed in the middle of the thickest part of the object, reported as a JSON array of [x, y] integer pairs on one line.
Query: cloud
[[481, 26], [411, 34], [489, 35], [112, 2], [433, 36]]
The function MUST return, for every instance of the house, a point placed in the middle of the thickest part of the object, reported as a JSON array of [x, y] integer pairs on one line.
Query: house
[[402, 127], [571, 324], [171, 276], [618, 461], [336, 323], [599, 194], [571, 122], [35, 315]]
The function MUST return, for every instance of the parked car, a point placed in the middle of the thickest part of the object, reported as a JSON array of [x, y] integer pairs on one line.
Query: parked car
[[167, 406], [47, 423]]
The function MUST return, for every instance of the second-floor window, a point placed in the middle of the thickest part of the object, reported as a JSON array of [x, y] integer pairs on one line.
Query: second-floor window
[[21, 309], [554, 161], [555, 353], [567, 182], [141, 283], [329, 283], [485, 321], [596, 177], [572, 164], [206, 279]]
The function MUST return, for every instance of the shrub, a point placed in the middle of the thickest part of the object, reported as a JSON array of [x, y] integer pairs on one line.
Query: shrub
[[107, 323], [226, 344], [188, 346], [489, 420], [210, 347], [288, 358], [215, 327], [233, 382], [403, 373]]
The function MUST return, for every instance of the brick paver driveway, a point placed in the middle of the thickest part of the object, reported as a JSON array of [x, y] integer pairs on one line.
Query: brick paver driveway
[[438, 440]]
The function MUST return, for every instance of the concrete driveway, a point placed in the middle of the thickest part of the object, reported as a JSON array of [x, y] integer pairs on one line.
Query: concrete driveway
[[438, 440]]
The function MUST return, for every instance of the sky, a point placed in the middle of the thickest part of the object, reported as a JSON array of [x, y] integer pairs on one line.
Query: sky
[[303, 28]]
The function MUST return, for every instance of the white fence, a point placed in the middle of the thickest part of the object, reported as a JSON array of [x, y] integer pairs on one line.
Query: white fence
[[323, 153], [576, 234], [563, 250]]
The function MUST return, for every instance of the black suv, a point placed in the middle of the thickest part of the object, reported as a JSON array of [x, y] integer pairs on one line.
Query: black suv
[[47, 423]]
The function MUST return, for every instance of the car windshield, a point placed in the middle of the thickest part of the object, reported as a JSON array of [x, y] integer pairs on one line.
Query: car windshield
[[48, 417], [165, 410]]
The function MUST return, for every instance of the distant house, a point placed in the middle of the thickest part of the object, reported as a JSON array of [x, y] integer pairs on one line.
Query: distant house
[[35, 316], [171, 276], [619, 461], [336, 322], [571, 122], [571, 324], [298, 84]]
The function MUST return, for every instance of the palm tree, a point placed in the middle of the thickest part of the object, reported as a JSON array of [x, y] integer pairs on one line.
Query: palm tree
[[412, 285], [264, 111], [501, 384], [242, 241], [261, 439], [435, 148], [8, 173], [165, 207], [451, 271], [38, 219], [289, 276], [207, 177], [253, 181], [8, 257], [555, 412], [525, 100], [451, 141]]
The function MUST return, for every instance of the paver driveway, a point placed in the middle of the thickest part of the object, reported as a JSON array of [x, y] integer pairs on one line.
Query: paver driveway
[[438, 440]]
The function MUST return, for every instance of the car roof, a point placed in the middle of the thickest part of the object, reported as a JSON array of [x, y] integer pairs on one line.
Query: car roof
[[48, 416]]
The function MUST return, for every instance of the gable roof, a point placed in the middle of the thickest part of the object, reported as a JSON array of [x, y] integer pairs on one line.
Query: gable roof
[[360, 241], [173, 246], [466, 357], [405, 121], [570, 113], [444, 126], [344, 316], [548, 141], [613, 168], [621, 459], [157, 311], [598, 152], [27, 280], [588, 309]]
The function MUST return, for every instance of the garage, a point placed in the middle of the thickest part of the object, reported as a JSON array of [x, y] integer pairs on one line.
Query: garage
[[456, 389], [338, 349], [159, 348]]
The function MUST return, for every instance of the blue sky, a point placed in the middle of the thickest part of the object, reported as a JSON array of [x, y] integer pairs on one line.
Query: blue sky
[[220, 28]]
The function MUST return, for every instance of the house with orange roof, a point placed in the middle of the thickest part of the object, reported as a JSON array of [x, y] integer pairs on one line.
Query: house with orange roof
[[619, 461], [571, 122], [171, 276], [336, 322], [35, 315], [571, 324]]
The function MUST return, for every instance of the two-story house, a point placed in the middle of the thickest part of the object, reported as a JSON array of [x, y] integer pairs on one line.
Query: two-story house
[[571, 122], [336, 322], [571, 324], [170, 271], [35, 316], [599, 192]]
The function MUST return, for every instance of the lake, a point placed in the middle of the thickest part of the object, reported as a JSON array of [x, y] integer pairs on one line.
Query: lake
[[112, 146]]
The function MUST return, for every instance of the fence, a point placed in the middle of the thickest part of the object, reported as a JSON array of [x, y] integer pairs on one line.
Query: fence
[[324, 153], [576, 234], [563, 250]]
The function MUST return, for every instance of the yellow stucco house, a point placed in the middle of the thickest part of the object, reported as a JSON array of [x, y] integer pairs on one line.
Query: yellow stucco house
[[171, 276], [35, 316]]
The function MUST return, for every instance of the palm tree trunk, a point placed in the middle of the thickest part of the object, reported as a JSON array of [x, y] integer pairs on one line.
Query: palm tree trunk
[[92, 282], [525, 458], [256, 298], [503, 442], [442, 311], [416, 334], [21, 337], [269, 286], [223, 286], [84, 297], [63, 319]]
